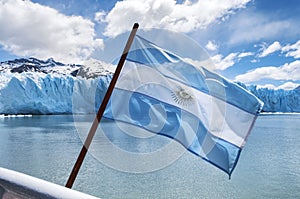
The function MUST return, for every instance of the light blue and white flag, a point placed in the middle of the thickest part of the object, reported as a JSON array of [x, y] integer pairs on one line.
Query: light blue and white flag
[[159, 92]]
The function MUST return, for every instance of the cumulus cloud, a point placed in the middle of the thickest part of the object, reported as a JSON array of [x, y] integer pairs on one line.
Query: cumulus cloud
[[184, 17], [292, 50], [270, 49], [288, 71], [31, 29], [211, 46]]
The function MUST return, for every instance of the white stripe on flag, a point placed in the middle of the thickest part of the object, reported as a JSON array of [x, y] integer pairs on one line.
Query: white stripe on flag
[[223, 120]]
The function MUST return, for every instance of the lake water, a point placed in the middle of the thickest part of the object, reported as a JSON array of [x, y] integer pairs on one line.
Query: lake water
[[47, 147]]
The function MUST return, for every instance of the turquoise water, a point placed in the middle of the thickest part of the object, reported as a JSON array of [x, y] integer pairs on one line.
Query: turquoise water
[[47, 147]]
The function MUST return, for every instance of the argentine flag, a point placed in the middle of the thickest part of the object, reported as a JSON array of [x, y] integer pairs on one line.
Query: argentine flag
[[158, 92]]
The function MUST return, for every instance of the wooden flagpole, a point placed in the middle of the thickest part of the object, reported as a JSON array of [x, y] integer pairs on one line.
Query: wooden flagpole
[[101, 109]]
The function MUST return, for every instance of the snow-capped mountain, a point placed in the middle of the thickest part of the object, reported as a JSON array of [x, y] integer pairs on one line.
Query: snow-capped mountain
[[37, 65], [33, 86]]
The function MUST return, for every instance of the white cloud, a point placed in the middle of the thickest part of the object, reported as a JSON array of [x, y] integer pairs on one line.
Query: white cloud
[[288, 86], [223, 63], [289, 71], [284, 86], [184, 17], [254, 61], [211, 46], [245, 54], [99, 16], [30, 29], [270, 49], [292, 50]]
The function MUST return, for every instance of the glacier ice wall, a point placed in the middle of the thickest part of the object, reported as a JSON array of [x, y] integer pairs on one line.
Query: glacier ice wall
[[278, 100], [39, 93]]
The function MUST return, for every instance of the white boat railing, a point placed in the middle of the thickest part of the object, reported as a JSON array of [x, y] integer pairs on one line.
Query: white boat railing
[[18, 185]]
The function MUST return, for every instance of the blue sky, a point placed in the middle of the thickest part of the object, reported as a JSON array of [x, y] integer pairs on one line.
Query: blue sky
[[252, 41]]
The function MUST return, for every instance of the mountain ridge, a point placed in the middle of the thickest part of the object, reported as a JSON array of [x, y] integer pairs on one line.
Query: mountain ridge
[[37, 65]]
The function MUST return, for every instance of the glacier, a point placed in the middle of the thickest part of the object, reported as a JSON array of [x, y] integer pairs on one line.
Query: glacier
[[50, 94], [32, 86], [278, 100]]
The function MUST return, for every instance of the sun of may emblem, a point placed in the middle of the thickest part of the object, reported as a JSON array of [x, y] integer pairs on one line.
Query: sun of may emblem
[[183, 96]]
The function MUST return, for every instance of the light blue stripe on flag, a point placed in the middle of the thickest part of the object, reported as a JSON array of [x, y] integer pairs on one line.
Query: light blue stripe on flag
[[159, 92]]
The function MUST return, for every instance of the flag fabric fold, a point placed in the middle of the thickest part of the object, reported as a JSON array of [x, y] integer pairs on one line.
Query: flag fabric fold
[[159, 92]]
